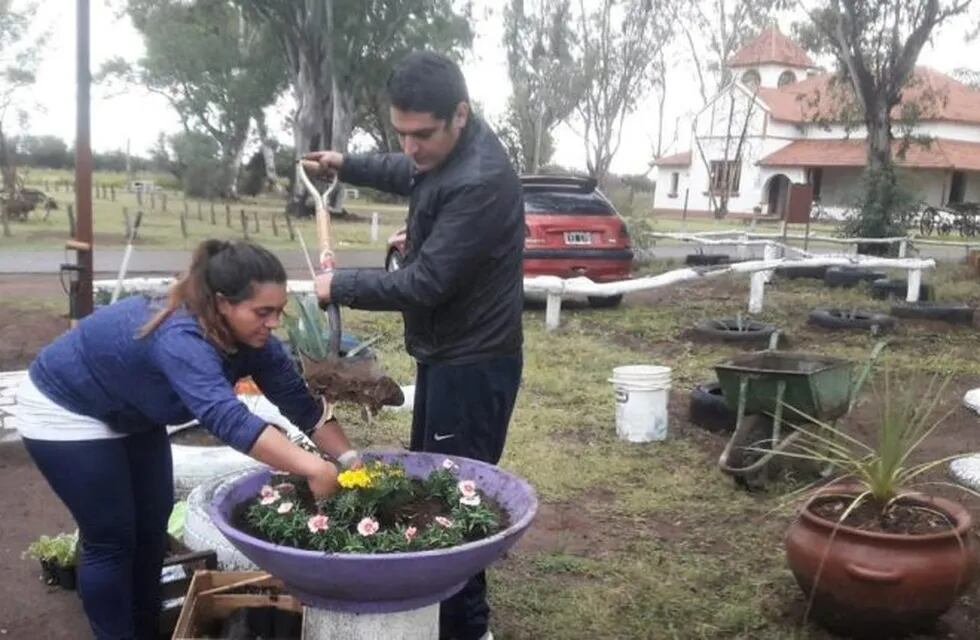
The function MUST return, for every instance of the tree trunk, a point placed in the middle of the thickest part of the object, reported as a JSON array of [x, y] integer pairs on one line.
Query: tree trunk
[[311, 129], [268, 156], [232, 155], [879, 143]]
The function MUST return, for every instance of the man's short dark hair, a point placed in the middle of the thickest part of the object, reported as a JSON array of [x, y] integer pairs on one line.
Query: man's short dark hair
[[427, 82]]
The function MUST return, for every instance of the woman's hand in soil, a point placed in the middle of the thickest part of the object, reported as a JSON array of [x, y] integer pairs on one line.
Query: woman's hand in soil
[[323, 481]]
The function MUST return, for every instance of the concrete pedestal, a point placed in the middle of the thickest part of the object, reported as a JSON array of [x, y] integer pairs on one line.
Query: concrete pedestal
[[417, 624]]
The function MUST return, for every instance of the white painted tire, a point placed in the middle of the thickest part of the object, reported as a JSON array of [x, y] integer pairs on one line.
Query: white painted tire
[[972, 400], [966, 471], [200, 534], [196, 465]]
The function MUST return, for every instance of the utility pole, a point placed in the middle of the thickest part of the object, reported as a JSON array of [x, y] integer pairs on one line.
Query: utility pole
[[83, 162]]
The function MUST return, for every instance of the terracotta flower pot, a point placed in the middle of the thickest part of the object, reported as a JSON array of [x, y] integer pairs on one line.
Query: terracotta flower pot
[[878, 584]]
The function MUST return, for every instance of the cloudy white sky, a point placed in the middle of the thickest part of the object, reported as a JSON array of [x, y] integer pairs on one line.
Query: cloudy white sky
[[139, 117]]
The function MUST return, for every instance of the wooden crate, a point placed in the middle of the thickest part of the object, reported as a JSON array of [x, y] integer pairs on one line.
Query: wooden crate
[[201, 610]]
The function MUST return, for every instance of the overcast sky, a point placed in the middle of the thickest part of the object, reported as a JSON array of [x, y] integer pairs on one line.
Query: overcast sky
[[139, 117]]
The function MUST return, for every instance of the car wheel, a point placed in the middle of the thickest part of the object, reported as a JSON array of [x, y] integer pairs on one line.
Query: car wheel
[[708, 409], [850, 319], [605, 302], [394, 261], [950, 312], [733, 330], [850, 276], [897, 288]]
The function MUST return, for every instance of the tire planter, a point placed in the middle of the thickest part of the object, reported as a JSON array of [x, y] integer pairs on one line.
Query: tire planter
[[388, 582], [943, 312], [706, 259], [850, 276], [708, 410], [846, 319], [878, 584], [793, 273], [727, 330], [897, 288], [200, 534], [605, 302]]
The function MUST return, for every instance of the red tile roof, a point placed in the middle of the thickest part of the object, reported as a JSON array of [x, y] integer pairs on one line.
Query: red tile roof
[[771, 46], [826, 97], [939, 154], [682, 159]]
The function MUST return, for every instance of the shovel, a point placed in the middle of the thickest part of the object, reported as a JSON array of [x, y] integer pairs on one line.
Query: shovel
[[351, 379]]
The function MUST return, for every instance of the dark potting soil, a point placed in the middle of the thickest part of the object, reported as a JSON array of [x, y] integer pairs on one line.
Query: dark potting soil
[[902, 517], [358, 380]]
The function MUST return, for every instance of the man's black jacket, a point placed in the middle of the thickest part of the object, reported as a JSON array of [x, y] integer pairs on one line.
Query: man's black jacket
[[460, 286]]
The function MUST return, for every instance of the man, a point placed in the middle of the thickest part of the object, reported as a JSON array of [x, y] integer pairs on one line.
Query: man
[[460, 288]]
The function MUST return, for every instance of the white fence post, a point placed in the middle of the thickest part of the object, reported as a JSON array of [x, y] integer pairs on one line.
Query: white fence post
[[740, 251], [903, 248], [374, 226], [552, 312], [757, 291], [770, 252], [915, 283]]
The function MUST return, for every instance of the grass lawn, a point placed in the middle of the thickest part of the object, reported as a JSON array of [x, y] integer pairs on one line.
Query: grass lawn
[[161, 229], [651, 540]]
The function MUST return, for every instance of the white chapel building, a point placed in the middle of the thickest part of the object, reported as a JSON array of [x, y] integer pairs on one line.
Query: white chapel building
[[779, 128]]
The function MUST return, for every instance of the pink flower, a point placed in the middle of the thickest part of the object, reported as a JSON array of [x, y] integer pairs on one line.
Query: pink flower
[[442, 521], [470, 501], [410, 534], [266, 491], [269, 498], [368, 527], [318, 523], [286, 488], [285, 507], [450, 465], [467, 488]]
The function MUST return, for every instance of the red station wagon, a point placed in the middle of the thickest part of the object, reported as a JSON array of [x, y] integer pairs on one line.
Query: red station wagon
[[571, 230]]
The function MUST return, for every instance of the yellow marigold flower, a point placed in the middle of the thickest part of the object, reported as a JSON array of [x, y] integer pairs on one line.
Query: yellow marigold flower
[[355, 479]]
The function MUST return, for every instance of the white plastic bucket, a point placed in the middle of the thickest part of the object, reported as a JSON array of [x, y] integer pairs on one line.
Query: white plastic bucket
[[641, 402]]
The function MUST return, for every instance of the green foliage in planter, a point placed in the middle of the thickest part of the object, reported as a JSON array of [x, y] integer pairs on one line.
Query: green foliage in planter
[[885, 207], [59, 550], [309, 331], [379, 509]]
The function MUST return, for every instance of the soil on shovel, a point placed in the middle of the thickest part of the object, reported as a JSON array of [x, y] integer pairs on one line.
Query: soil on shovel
[[358, 381], [905, 518]]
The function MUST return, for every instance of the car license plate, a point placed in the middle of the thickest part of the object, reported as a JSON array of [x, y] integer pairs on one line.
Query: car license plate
[[578, 237]]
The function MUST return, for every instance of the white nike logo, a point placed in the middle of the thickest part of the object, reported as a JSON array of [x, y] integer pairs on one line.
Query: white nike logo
[[442, 436]]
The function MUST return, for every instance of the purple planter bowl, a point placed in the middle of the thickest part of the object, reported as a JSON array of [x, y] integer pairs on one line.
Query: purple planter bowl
[[380, 583]]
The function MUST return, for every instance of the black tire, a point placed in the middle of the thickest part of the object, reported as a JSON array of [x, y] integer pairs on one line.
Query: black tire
[[942, 311], [897, 288], [706, 259], [850, 276], [727, 330], [802, 272], [393, 261], [846, 319], [605, 302], [707, 409]]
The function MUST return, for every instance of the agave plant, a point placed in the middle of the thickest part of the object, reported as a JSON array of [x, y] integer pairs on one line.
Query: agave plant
[[309, 331]]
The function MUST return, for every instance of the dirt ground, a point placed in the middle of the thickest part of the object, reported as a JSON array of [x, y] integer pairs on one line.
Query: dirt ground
[[29, 609]]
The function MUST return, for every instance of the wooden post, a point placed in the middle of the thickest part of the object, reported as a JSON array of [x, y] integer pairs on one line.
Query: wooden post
[[289, 227], [914, 285], [126, 222], [228, 215], [244, 225], [186, 210], [71, 221], [255, 217], [212, 212], [163, 202], [153, 201], [183, 225], [275, 227], [552, 311], [112, 192], [687, 193], [139, 197], [200, 216]]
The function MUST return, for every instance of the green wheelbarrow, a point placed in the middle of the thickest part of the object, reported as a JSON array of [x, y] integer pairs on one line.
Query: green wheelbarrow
[[771, 390]]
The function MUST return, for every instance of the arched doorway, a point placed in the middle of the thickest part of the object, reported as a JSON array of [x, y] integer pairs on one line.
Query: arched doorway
[[777, 195]]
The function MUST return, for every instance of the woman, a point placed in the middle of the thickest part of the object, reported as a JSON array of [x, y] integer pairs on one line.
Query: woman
[[93, 408]]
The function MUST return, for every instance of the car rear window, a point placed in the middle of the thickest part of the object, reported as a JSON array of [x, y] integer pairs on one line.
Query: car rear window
[[566, 203]]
